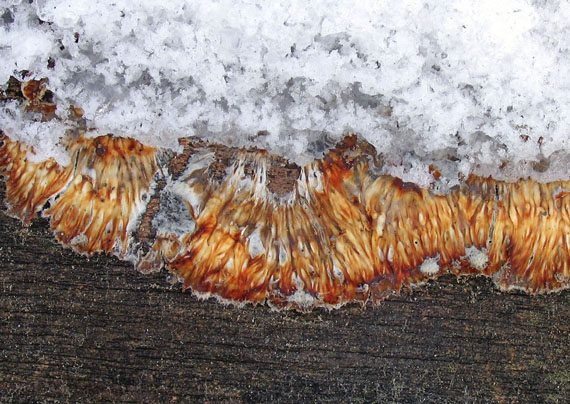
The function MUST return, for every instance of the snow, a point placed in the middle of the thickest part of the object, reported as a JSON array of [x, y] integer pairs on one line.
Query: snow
[[469, 86]]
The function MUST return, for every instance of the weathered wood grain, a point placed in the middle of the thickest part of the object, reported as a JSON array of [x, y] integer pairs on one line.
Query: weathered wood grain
[[83, 330]]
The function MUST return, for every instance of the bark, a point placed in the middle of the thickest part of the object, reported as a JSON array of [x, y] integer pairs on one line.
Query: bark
[[74, 329]]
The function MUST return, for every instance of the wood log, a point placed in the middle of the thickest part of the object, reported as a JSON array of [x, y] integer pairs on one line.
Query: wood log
[[77, 329]]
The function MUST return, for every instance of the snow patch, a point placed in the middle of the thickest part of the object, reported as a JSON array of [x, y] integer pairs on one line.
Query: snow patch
[[468, 86]]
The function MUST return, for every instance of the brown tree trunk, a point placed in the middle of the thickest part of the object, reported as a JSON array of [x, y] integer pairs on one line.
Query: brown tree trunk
[[74, 329]]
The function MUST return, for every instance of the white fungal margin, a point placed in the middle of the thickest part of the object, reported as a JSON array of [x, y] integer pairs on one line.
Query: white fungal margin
[[430, 266], [255, 244], [477, 258]]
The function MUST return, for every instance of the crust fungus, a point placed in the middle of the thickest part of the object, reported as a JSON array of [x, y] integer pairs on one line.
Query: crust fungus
[[340, 234]]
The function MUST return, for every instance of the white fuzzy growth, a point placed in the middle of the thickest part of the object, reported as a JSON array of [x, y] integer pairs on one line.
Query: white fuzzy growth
[[80, 239], [380, 222], [301, 298], [380, 254], [315, 179], [187, 192], [478, 259], [260, 178], [282, 255], [90, 172], [139, 208], [338, 273], [391, 253], [430, 266], [302, 186], [255, 244]]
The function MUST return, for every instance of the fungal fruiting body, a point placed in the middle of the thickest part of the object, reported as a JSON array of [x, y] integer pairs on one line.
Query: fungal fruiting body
[[340, 233]]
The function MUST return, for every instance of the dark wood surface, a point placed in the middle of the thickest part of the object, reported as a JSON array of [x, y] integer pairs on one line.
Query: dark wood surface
[[74, 329]]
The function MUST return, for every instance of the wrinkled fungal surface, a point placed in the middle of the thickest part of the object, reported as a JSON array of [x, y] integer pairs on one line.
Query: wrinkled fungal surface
[[244, 226]]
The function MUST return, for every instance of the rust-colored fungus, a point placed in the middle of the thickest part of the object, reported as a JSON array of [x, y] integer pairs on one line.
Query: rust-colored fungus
[[94, 202], [341, 233]]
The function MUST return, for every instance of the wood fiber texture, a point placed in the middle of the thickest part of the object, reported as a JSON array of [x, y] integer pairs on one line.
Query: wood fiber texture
[[74, 329]]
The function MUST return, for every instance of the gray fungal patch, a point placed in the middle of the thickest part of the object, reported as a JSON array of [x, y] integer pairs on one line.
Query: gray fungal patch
[[173, 216]]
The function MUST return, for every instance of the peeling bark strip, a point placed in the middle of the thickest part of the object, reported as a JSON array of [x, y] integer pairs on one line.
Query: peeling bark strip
[[342, 234]]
